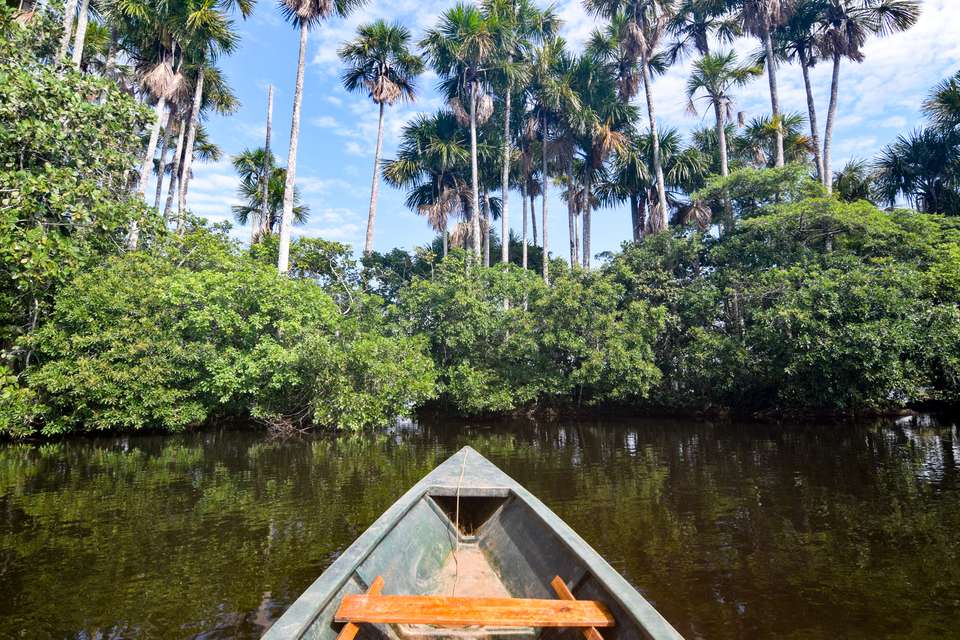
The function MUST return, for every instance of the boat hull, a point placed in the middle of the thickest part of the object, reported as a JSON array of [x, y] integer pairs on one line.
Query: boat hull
[[468, 529]]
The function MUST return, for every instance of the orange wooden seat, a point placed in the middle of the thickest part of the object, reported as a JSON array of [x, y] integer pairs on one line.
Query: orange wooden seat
[[467, 612]]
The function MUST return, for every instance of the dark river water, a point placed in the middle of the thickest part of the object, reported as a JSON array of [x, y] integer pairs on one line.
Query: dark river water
[[732, 531]]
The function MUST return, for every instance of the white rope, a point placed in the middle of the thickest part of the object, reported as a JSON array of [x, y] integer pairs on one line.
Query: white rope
[[456, 530]]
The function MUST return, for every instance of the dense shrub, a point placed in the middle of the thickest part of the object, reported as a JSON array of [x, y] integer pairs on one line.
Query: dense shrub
[[809, 304], [194, 329], [503, 340]]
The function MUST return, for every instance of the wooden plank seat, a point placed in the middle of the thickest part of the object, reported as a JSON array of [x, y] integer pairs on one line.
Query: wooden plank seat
[[471, 612]]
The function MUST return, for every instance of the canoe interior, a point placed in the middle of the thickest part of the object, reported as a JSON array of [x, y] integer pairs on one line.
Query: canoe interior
[[502, 548]]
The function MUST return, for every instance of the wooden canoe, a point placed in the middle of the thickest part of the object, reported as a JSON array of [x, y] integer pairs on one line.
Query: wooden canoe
[[493, 543]]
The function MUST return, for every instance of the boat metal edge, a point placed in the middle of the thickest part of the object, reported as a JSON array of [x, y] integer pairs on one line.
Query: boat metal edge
[[483, 478]]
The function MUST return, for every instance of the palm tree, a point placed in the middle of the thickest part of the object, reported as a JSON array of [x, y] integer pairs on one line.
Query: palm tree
[[797, 40], [757, 144], [516, 25], [642, 25], [846, 25], [714, 75], [379, 62], [632, 176], [924, 167], [304, 14], [250, 164], [83, 18], [854, 182], [605, 132], [69, 14], [942, 107], [217, 97], [432, 164], [209, 33], [459, 49], [693, 24], [268, 162], [761, 18]]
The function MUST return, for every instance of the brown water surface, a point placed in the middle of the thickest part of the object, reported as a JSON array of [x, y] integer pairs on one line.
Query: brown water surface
[[733, 531]]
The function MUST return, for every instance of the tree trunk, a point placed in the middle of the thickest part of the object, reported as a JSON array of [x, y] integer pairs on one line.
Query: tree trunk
[[571, 216], [587, 211], [165, 145], [187, 159], [474, 177], [635, 217], [658, 222], [443, 234], [175, 173], [642, 215], [774, 95], [133, 237], [523, 241], [724, 163], [831, 120], [486, 229], [69, 13], [721, 138], [372, 215], [812, 113], [146, 168], [505, 182], [264, 225], [543, 209], [81, 35], [533, 218], [283, 260]]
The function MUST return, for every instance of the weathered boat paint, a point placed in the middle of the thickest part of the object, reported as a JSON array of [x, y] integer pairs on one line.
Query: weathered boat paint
[[525, 542]]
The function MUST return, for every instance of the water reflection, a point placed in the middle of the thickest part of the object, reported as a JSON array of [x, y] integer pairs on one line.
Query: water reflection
[[735, 531]]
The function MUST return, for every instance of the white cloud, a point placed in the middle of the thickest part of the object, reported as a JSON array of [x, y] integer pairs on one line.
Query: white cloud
[[325, 122]]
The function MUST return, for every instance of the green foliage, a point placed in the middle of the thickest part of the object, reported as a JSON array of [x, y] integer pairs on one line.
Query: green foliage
[[809, 304], [753, 191], [68, 144], [503, 340], [194, 330]]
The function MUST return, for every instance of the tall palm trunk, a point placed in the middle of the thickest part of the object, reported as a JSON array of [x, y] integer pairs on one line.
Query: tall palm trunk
[[659, 221], [446, 242], [505, 181], [486, 229], [571, 216], [586, 221], [812, 113], [636, 221], [474, 178], [187, 159], [146, 167], [69, 13], [774, 93], [372, 215], [265, 224], [543, 209], [164, 146], [81, 33], [133, 237], [283, 260], [175, 173], [724, 162], [721, 138], [523, 246], [533, 218], [831, 120]]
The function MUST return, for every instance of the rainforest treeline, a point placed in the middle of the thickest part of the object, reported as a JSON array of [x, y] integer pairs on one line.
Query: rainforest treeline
[[769, 296]]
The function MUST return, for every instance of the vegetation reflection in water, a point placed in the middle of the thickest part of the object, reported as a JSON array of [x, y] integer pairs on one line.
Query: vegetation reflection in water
[[739, 531]]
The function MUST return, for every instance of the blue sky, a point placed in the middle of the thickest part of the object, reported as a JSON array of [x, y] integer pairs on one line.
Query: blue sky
[[880, 99]]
